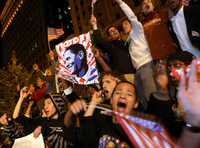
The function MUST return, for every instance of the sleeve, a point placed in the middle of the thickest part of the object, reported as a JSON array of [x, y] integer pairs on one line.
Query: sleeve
[[100, 42], [38, 94], [29, 124], [88, 132], [131, 17]]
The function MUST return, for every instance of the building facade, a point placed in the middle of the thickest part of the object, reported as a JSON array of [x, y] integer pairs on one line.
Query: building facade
[[24, 30], [26, 25]]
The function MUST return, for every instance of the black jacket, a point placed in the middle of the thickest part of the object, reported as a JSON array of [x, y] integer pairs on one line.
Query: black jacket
[[118, 52], [53, 130], [192, 20], [99, 130]]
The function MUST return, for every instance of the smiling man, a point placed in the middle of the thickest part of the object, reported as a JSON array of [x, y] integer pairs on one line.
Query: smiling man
[[76, 60]]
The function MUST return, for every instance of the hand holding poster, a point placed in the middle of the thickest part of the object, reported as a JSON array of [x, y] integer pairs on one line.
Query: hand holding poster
[[29, 142], [76, 60]]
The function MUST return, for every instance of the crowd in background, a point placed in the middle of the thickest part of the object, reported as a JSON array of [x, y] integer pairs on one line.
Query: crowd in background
[[154, 73]]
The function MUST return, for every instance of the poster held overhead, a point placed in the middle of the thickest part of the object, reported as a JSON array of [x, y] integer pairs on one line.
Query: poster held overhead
[[76, 60]]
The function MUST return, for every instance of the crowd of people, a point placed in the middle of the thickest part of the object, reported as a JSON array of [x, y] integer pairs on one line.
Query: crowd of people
[[153, 74]]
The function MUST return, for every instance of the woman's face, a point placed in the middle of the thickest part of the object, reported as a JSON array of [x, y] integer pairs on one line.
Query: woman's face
[[124, 98], [49, 108]]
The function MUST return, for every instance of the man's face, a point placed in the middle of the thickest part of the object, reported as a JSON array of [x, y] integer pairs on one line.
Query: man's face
[[113, 33], [175, 65], [126, 26], [147, 7], [108, 84], [124, 98], [49, 108], [173, 4], [70, 61]]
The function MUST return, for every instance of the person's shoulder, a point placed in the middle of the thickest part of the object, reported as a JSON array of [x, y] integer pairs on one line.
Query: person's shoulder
[[192, 9]]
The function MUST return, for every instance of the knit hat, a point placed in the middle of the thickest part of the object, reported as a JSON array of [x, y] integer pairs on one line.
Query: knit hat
[[59, 102]]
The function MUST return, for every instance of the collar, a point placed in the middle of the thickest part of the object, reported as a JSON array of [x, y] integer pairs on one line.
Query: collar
[[68, 91], [178, 14]]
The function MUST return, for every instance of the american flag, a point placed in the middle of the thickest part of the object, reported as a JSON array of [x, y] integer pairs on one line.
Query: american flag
[[143, 137]]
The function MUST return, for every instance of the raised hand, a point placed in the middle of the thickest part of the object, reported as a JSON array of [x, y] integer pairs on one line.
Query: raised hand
[[78, 106], [189, 94], [93, 22], [4, 119], [35, 67], [24, 92], [97, 97], [37, 132]]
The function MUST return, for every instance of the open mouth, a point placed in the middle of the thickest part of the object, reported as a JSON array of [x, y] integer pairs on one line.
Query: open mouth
[[147, 7], [105, 92], [122, 104]]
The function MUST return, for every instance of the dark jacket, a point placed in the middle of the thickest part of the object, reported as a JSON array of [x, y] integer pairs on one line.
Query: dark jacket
[[192, 14], [192, 20], [99, 131], [118, 52], [53, 130]]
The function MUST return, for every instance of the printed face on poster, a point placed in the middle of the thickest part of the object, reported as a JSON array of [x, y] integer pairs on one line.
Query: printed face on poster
[[76, 60]]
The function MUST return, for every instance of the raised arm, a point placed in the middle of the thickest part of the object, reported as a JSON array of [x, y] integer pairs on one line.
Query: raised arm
[[189, 96], [23, 94], [28, 110], [93, 22], [97, 37], [96, 99], [137, 26]]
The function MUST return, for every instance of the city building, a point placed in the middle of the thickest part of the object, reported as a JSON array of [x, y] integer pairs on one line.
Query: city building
[[26, 25], [24, 30]]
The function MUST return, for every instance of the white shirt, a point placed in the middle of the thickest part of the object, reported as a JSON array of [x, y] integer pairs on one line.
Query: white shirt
[[179, 27], [138, 48]]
